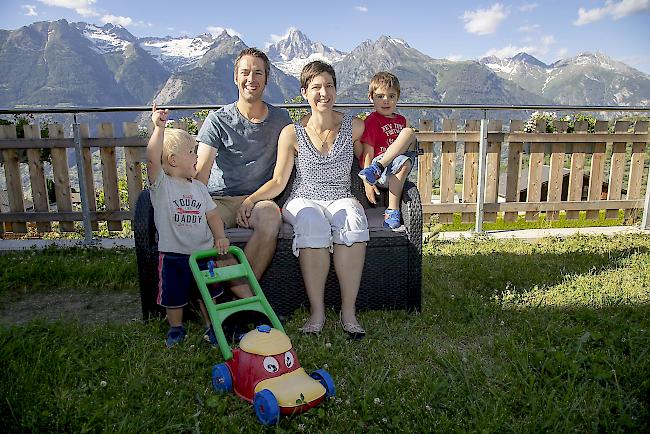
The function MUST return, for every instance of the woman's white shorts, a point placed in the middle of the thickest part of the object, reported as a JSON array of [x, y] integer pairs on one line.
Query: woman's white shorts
[[319, 223]]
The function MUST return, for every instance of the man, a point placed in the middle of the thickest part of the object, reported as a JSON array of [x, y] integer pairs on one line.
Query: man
[[242, 139]]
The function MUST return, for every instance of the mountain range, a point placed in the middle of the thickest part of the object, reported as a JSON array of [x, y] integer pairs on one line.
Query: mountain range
[[58, 63]]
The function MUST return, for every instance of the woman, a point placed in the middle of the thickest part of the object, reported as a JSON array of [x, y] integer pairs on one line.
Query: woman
[[325, 215]]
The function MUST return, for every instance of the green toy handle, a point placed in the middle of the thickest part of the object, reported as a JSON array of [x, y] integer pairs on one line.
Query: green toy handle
[[219, 312]]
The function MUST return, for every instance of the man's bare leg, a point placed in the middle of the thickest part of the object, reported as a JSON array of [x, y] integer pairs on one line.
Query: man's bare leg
[[265, 220]]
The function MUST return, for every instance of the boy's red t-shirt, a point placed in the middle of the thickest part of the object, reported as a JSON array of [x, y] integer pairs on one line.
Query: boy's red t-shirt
[[381, 131]]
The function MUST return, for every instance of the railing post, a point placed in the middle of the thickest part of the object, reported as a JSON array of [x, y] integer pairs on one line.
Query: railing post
[[645, 221], [81, 175], [482, 150]]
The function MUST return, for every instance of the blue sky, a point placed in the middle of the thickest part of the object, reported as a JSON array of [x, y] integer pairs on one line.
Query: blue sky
[[549, 30]]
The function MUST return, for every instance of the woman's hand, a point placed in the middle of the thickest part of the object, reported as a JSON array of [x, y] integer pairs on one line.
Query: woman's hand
[[221, 245]]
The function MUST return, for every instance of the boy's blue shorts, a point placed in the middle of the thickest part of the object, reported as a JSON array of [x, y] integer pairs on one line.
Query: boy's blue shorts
[[395, 166], [176, 283]]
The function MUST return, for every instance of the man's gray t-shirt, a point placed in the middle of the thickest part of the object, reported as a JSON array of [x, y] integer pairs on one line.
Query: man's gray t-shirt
[[246, 151]]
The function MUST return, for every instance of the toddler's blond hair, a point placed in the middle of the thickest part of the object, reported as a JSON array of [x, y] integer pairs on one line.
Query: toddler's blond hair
[[175, 140]]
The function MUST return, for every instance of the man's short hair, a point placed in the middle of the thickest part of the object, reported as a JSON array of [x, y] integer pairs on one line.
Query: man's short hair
[[313, 69], [383, 79], [255, 53]]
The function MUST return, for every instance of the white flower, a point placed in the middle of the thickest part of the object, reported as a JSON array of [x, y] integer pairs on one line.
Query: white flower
[[328, 345], [383, 419], [168, 393], [428, 407], [103, 383], [301, 427], [326, 366], [377, 401]]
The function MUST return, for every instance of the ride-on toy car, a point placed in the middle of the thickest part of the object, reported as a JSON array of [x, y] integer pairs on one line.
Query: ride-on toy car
[[264, 370]]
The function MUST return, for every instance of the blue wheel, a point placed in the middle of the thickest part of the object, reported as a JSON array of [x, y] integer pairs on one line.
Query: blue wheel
[[266, 407], [326, 380], [221, 378]]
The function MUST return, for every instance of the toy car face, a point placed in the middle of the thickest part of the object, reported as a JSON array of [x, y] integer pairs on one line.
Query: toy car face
[[265, 359]]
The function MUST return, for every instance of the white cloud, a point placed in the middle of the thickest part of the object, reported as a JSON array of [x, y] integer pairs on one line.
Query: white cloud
[[528, 28], [527, 7], [562, 53], [538, 49], [612, 9], [361, 8], [113, 19], [216, 31], [82, 7], [30, 10], [484, 21], [454, 57], [276, 38]]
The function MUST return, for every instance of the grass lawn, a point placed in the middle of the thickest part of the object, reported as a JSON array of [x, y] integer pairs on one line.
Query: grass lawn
[[513, 337]]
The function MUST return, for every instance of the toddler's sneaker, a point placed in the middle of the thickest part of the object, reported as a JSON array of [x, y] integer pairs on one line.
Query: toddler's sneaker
[[371, 173], [210, 337], [392, 218], [175, 335]]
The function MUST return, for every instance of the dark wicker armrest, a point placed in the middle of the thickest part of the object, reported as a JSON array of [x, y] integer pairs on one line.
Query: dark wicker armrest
[[411, 208]]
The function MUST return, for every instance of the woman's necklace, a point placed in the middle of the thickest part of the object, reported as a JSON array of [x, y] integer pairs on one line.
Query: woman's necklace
[[323, 142]]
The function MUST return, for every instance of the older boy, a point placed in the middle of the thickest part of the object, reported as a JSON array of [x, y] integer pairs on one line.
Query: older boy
[[185, 215], [386, 140]]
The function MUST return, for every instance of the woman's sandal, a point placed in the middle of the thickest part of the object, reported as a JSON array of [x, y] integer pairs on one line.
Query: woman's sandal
[[354, 331], [312, 328]]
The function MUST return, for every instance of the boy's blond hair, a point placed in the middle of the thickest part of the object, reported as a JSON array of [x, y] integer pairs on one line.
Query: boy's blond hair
[[175, 140], [383, 79]]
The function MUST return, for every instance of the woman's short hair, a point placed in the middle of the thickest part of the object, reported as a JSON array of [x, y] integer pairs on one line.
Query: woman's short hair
[[255, 53], [314, 69], [383, 79]]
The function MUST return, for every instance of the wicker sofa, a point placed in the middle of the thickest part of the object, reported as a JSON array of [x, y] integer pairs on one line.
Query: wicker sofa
[[392, 272]]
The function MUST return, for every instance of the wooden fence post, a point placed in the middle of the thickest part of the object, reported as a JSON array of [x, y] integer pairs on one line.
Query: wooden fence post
[[470, 171], [515, 150], [617, 168], [556, 171], [597, 170], [577, 173], [109, 176], [87, 157], [37, 177], [493, 162], [13, 180], [536, 161], [447, 170], [636, 169], [61, 177], [425, 168], [133, 165]]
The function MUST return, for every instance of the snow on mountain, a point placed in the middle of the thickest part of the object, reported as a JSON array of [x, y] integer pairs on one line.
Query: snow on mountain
[[294, 50], [106, 39], [177, 53]]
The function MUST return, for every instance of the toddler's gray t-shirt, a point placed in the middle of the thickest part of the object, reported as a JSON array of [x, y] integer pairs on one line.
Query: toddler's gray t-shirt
[[246, 151]]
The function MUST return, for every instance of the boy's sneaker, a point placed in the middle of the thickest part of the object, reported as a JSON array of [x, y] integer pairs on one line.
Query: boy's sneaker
[[175, 335], [210, 337], [371, 173], [392, 218]]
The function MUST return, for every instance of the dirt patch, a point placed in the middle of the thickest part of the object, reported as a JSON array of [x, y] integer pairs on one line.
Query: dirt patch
[[78, 305]]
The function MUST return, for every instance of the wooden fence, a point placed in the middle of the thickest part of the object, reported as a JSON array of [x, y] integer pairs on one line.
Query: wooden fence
[[584, 154]]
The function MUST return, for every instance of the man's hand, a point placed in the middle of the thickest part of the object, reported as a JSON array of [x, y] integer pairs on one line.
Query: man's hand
[[371, 192], [159, 117], [221, 245], [245, 210]]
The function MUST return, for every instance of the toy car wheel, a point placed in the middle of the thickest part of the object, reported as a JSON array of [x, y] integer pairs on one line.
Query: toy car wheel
[[221, 378], [266, 407], [326, 380]]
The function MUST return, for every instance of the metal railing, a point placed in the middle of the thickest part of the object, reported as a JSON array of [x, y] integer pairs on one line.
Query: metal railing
[[484, 108]]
